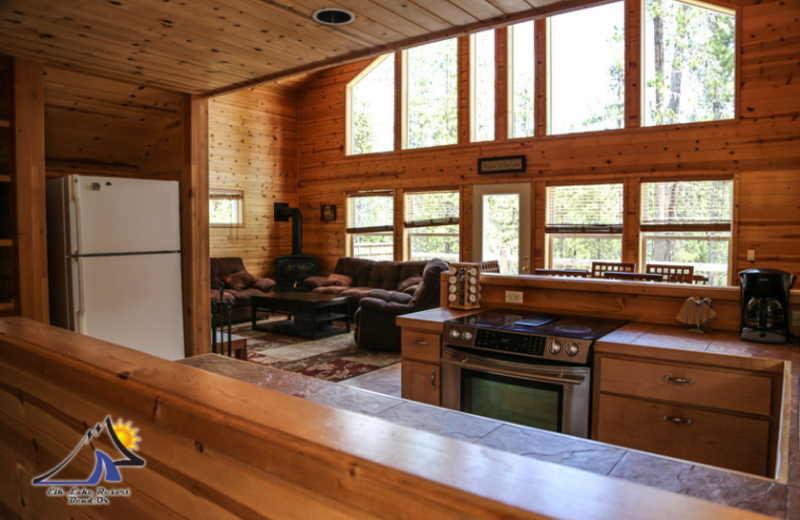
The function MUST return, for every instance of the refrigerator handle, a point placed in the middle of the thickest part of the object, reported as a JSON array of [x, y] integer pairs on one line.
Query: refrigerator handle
[[75, 190], [80, 312]]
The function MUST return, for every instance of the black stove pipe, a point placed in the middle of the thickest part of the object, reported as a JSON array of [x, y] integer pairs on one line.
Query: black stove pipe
[[282, 214]]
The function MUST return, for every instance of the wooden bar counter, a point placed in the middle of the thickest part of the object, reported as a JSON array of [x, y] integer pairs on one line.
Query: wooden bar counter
[[220, 448]]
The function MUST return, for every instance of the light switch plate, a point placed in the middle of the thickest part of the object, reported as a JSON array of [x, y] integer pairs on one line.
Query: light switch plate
[[751, 255], [513, 296], [796, 319]]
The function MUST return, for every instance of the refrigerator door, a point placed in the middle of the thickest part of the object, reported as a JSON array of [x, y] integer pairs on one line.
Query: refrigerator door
[[133, 301], [117, 215]]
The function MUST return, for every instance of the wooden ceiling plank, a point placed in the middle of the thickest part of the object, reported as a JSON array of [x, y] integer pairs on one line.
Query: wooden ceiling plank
[[148, 41], [480, 9], [449, 12], [510, 6], [40, 34], [371, 17], [63, 116], [416, 14], [121, 70], [282, 21], [110, 89], [113, 112]]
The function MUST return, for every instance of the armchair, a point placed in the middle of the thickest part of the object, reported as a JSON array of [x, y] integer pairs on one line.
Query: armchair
[[375, 319]]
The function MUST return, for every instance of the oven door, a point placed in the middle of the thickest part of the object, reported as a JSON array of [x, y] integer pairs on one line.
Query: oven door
[[548, 397]]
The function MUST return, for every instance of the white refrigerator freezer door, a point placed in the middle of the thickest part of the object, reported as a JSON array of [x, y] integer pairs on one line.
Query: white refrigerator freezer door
[[117, 215], [134, 301]]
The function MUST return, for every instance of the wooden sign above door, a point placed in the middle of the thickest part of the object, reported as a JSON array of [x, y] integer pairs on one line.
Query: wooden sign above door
[[510, 164]]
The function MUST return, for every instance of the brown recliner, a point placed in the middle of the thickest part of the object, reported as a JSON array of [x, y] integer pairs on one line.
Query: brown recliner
[[223, 267], [375, 319]]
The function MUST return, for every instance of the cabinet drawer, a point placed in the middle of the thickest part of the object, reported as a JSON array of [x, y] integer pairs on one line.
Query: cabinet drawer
[[421, 345], [719, 439], [712, 388]]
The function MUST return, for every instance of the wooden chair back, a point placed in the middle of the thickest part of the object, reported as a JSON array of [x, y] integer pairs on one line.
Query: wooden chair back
[[598, 268], [672, 273], [573, 273], [699, 279], [490, 266], [625, 275]]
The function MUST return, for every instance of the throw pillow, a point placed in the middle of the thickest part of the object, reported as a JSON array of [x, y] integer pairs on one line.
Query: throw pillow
[[339, 280], [408, 282], [239, 281]]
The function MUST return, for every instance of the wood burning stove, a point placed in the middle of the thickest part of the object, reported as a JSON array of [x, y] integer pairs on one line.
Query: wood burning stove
[[292, 270]]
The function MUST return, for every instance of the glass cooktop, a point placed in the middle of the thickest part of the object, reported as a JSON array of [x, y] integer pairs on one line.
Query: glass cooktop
[[564, 325]]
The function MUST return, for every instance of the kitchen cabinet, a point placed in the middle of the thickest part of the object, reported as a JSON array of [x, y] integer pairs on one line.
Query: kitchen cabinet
[[717, 416], [421, 366]]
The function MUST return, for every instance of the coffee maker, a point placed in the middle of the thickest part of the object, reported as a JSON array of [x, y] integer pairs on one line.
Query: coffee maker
[[765, 305]]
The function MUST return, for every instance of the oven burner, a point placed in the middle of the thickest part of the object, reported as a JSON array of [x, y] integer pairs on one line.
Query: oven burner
[[573, 329]]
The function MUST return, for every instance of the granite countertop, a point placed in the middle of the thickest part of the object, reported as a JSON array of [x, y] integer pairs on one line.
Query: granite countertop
[[770, 497]]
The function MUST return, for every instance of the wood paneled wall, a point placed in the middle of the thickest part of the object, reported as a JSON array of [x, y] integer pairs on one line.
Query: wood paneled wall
[[761, 146], [100, 126], [254, 149]]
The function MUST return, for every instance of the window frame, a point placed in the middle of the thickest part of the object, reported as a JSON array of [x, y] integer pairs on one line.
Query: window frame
[[473, 91], [349, 139], [652, 231], [407, 230], [223, 194], [371, 231]]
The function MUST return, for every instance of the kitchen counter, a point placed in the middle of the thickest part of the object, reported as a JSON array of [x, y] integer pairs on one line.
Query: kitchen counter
[[776, 498]]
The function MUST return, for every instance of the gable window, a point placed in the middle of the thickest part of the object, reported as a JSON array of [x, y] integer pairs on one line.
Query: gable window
[[521, 61], [370, 225], [587, 80], [432, 225], [481, 79], [371, 103], [431, 94], [225, 207], [584, 225], [689, 62], [689, 223]]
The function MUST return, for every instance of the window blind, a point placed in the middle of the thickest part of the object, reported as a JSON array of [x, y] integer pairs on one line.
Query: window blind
[[225, 195], [679, 205], [432, 208], [370, 212], [588, 208]]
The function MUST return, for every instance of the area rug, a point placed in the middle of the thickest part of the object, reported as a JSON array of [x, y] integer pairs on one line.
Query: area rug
[[334, 359]]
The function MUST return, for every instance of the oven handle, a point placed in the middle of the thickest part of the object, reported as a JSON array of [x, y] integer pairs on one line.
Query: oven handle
[[503, 371]]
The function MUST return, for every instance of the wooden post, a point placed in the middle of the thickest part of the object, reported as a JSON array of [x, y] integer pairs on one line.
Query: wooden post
[[501, 84], [540, 111], [633, 59], [194, 228], [29, 190], [465, 114]]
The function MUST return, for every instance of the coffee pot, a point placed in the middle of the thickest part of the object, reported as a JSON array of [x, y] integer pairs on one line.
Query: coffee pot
[[765, 305]]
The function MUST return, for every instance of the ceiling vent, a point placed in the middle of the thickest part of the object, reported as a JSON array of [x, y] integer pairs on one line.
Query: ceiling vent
[[333, 16]]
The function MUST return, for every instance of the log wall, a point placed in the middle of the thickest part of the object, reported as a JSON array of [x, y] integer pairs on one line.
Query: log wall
[[760, 147], [254, 149]]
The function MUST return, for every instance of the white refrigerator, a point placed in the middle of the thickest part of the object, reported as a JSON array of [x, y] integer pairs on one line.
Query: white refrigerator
[[114, 261]]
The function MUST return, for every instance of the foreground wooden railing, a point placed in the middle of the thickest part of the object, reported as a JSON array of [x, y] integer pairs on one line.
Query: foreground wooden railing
[[217, 448]]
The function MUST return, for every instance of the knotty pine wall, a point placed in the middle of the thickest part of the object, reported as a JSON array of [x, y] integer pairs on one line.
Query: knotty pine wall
[[761, 147], [103, 127], [253, 148]]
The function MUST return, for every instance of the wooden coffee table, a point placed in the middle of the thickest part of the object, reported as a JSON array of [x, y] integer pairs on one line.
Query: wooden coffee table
[[308, 314]]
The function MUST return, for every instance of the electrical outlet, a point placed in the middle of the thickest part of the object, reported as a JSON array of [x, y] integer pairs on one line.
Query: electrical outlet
[[513, 296], [751, 255], [795, 318]]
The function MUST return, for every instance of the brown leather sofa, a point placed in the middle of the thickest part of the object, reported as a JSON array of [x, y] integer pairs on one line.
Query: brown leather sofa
[[376, 316], [355, 277], [238, 285]]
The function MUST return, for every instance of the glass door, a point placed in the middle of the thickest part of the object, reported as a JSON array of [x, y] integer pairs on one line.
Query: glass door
[[502, 225]]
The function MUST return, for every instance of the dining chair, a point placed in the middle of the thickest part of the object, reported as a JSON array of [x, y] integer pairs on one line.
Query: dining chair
[[598, 268], [626, 275], [672, 273], [573, 273]]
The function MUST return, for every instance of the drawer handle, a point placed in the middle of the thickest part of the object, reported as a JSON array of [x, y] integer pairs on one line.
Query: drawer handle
[[679, 381], [420, 342], [433, 378], [677, 420]]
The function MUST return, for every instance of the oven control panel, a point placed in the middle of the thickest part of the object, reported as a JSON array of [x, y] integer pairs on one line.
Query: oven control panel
[[553, 348]]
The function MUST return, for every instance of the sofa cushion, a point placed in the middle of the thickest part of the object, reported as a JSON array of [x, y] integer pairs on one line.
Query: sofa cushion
[[223, 267], [431, 280], [331, 289], [409, 282], [385, 275], [226, 295], [264, 284], [246, 294], [412, 269], [356, 292], [356, 268], [338, 280], [239, 280]]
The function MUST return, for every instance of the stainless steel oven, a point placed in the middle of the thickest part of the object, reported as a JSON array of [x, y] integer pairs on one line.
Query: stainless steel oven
[[528, 369]]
